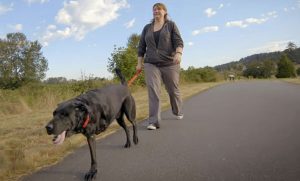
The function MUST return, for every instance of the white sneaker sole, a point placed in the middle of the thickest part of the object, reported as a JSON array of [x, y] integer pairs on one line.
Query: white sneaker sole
[[179, 117], [151, 127]]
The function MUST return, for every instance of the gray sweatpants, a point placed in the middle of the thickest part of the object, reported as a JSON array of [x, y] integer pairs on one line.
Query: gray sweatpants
[[169, 75]]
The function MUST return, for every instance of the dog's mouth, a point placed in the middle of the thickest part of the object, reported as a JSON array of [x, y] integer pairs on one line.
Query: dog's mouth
[[59, 139]]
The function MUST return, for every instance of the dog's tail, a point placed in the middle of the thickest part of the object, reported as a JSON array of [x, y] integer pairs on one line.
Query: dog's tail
[[121, 76]]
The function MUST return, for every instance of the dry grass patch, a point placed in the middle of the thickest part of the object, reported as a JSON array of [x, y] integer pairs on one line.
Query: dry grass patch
[[295, 80], [25, 146]]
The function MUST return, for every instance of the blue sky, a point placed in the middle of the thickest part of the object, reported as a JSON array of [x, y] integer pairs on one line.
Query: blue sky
[[78, 36]]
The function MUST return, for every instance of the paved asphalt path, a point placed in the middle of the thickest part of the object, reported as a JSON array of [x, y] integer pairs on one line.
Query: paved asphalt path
[[233, 132]]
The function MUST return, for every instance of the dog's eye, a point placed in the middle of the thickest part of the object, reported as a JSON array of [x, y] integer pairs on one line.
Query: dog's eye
[[64, 114], [54, 113]]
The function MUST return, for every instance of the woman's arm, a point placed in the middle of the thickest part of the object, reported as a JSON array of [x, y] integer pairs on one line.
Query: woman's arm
[[139, 65]]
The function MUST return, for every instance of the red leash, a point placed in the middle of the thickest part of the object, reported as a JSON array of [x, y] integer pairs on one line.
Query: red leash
[[86, 122], [134, 77]]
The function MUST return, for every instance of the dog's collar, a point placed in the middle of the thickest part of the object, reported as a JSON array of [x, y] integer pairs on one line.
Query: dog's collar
[[86, 122]]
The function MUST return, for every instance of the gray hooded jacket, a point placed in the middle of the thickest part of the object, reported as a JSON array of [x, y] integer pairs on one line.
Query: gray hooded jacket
[[163, 53]]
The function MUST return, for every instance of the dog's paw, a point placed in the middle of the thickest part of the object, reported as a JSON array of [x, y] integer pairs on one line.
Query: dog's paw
[[136, 140], [90, 175], [127, 145]]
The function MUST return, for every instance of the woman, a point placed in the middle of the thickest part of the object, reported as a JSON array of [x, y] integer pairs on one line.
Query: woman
[[160, 48]]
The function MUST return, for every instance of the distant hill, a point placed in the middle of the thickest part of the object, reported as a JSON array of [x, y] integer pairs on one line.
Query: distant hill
[[294, 55]]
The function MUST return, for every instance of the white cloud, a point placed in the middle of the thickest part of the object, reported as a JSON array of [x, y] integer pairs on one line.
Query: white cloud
[[130, 23], [271, 14], [240, 24], [16, 27], [249, 21], [36, 1], [92, 45], [196, 32], [221, 6], [51, 27], [52, 33], [83, 16], [205, 30], [210, 12], [190, 43], [270, 47], [5, 8], [245, 23], [292, 8], [289, 9]]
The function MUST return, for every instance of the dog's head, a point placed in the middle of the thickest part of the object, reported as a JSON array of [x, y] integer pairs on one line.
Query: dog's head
[[67, 119]]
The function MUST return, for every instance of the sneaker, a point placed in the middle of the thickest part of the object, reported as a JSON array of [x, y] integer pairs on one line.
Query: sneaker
[[179, 117], [151, 127]]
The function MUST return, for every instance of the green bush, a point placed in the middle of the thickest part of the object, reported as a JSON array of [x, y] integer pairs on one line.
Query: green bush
[[298, 71], [125, 58], [206, 74], [286, 68]]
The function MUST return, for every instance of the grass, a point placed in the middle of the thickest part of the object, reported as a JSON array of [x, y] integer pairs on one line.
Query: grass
[[24, 145], [294, 80]]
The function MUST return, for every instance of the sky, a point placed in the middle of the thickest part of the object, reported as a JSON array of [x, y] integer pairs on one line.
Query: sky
[[78, 36]]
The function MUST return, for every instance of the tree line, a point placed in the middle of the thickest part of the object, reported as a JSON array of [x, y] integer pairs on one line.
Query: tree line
[[265, 65], [284, 68], [22, 62]]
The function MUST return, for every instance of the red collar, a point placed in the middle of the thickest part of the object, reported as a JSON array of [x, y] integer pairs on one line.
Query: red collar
[[86, 122]]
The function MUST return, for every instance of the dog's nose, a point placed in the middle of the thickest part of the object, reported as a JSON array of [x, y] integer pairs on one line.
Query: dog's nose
[[49, 128]]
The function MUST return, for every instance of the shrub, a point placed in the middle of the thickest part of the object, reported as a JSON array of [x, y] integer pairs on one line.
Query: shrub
[[286, 68], [298, 71], [206, 74]]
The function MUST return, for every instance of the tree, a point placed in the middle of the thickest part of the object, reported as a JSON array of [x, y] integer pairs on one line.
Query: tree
[[298, 71], [254, 69], [285, 68], [291, 46], [290, 51], [260, 69], [268, 69], [125, 58], [21, 61]]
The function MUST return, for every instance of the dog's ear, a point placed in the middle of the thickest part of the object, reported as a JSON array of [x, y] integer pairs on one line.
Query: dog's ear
[[83, 110], [80, 106]]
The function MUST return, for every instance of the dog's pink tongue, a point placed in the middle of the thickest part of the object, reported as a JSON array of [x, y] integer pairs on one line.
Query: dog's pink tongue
[[60, 138]]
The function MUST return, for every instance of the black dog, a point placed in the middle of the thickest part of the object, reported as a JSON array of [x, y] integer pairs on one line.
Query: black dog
[[91, 113]]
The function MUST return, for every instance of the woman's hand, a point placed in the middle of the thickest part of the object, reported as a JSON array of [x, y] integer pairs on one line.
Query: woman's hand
[[139, 65], [177, 57]]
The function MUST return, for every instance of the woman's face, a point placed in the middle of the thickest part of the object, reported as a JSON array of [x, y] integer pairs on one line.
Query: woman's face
[[159, 12]]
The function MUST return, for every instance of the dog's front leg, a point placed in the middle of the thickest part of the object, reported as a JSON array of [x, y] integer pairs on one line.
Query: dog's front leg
[[93, 171]]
